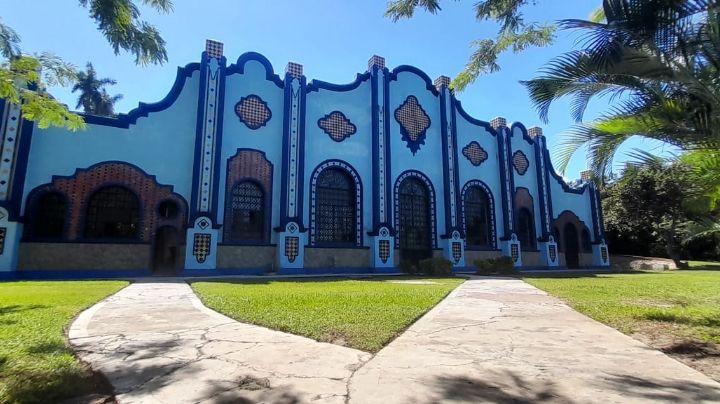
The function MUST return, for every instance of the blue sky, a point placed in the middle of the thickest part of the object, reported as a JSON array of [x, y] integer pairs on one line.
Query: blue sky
[[332, 39]]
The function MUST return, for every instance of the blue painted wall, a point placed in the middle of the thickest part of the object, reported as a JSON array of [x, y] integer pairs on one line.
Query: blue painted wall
[[237, 135], [162, 144]]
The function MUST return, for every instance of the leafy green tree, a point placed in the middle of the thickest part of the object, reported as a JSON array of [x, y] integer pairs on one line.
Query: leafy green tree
[[647, 210], [656, 62], [94, 99], [515, 33], [24, 78]]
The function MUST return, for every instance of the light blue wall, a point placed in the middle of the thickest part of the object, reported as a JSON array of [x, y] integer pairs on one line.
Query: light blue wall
[[576, 203], [161, 144], [529, 179], [429, 158], [236, 134], [355, 150], [487, 172]]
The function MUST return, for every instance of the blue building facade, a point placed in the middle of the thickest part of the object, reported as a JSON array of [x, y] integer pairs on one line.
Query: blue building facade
[[242, 170]]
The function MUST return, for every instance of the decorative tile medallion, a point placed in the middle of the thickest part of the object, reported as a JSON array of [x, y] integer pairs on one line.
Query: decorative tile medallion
[[475, 153], [515, 252], [520, 162], [201, 246], [552, 250], [337, 126], [292, 248], [203, 224], [456, 251], [414, 122], [384, 246], [253, 111]]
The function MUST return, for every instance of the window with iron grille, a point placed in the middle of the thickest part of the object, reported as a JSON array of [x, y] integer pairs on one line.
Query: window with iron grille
[[248, 212], [49, 220], [112, 212], [335, 209], [525, 229], [415, 242], [477, 217]]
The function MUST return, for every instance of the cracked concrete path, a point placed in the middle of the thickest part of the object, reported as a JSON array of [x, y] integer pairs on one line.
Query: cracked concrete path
[[157, 343], [504, 341]]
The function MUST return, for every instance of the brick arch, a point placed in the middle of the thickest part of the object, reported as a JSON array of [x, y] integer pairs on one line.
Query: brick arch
[[252, 165], [563, 219], [78, 188]]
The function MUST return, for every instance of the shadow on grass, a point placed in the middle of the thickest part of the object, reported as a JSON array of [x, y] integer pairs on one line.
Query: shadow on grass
[[695, 349], [53, 385], [666, 317], [16, 308]]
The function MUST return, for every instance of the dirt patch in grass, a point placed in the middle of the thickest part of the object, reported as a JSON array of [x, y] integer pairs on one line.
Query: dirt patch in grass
[[700, 355]]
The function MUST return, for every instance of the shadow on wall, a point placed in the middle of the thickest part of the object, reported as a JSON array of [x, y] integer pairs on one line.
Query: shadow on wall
[[507, 387]]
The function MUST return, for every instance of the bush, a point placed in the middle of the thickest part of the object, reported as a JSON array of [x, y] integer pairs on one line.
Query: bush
[[495, 266], [407, 267], [435, 267]]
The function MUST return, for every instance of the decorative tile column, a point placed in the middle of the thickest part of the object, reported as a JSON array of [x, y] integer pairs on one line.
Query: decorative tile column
[[292, 236], [509, 244], [453, 243], [202, 237], [382, 235], [548, 245]]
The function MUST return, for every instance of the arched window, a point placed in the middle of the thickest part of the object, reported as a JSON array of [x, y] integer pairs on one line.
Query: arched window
[[585, 239], [335, 210], [525, 228], [247, 222], [477, 217], [49, 219], [112, 212]]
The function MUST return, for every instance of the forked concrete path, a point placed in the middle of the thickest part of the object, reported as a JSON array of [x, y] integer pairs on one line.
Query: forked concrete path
[[157, 343], [491, 340]]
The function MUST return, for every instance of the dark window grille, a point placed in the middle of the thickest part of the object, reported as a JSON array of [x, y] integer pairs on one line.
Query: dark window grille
[[558, 240], [586, 245], [525, 229], [248, 212], [335, 209], [112, 212], [49, 221], [168, 209], [414, 220], [477, 217]]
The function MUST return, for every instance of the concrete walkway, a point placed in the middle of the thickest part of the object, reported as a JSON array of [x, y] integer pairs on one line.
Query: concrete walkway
[[157, 343], [504, 341], [491, 340]]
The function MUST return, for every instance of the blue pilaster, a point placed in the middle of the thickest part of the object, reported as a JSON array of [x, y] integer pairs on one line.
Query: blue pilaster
[[509, 243], [292, 232], [547, 245], [382, 235], [202, 236]]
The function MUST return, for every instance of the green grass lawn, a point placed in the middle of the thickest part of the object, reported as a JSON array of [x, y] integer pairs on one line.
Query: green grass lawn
[[36, 366], [684, 304], [363, 314]]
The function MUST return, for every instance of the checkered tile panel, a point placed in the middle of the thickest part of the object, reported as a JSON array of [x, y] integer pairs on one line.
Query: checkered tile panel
[[253, 111], [3, 233], [535, 131], [412, 118], [292, 248], [520, 162], [201, 246], [294, 69], [456, 252], [337, 126], [214, 49], [475, 153], [515, 252], [498, 122], [376, 60], [384, 246]]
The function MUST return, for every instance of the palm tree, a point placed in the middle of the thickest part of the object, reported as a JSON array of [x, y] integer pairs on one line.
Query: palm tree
[[658, 64], [94, 99]]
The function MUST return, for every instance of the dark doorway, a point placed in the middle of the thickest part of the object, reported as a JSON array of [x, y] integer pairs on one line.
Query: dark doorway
[[165, 251], [414, 220], [572, 246]]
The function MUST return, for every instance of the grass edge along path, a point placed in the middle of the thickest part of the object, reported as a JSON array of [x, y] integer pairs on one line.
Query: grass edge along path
[[36, 363], [677, 312], [364, 314]]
